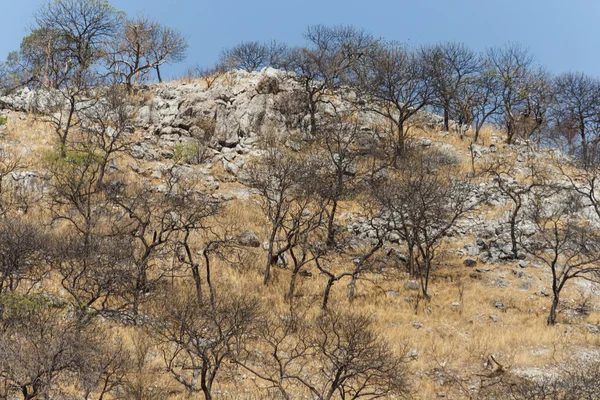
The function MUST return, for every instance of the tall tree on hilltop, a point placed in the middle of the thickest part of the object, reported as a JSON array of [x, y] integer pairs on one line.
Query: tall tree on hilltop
[[141, 46]]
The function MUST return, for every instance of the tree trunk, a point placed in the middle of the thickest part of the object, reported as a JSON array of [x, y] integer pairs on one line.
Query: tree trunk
[[331, 225], [411, 261], [446, 119], [400, 144], [65, 134], [330, 283], [270, 256], [205, 384], [352, 288], [211, 291], [292, 288], [425, 277], [158, 74], [552, 316], [513, 231], [197, 282]]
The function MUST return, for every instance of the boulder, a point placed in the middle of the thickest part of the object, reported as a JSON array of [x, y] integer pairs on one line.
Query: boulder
[[249, 238], [470, 262], [413, 284]]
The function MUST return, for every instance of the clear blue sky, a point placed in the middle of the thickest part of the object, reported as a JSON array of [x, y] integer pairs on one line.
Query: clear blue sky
[[563, 34]]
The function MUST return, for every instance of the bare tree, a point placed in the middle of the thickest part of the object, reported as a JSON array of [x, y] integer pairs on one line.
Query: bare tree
[[451, 66], [9, 163], [395, 84], [486, 100], [82, 29], [22, 255], [424, 202], [154, 220], [517, 189], [574, 113], [141, 46], [196, 340], [75, 198], [284, 184], [339, 141], [96, 274], [287, 355], [252, 56], [40, 62], [42, 350], [512, 65], [107, 127], [336, 355], [336, 271], [564, 242], [533, 119], [326, 62]]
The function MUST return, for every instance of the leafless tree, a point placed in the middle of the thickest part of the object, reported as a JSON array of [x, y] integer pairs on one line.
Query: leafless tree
[[486, 99], [395, 84], [42, 349], [153, 221], [143, 45], [324, 64], [22, 255], [336, 355], [287, 355], [96, 274], [74, 197], [424, 202], [512, 65], [533, 121], [199, 225], [566, 243], [335, 271], [339, 140], [355, 361], [574, 114], [283, 182], [517, 189], [40, 62], [82, 29], [107, 127], [9, 163], [451, 66], [196, 340], [252, 56]]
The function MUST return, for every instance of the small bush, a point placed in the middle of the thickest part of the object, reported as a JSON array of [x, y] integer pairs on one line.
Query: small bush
[[189, 153]]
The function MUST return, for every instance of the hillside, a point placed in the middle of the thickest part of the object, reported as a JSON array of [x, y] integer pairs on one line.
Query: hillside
[[480, 329]]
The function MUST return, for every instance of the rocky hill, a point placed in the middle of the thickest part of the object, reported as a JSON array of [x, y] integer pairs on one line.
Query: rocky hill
[[484, 324]]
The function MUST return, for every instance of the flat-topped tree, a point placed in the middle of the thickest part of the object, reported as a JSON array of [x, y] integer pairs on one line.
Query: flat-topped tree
[[253, 55], [143, 45]]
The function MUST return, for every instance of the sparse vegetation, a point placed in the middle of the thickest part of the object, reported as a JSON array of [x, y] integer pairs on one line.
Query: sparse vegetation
[[312, 230]]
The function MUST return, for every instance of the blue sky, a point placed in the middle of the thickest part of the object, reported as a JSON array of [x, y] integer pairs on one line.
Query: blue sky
[[563, 34]]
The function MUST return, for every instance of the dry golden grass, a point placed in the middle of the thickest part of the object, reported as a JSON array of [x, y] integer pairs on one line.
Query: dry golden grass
[[458, 331]]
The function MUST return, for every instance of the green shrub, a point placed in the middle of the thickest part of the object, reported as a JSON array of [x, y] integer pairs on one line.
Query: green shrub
[[188, 153]]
